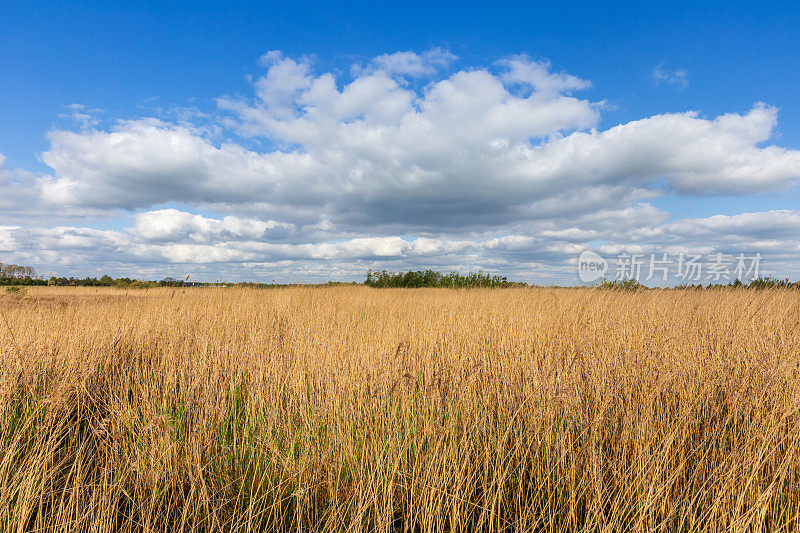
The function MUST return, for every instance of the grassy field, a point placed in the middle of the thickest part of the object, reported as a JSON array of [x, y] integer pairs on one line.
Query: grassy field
[[388, 410]]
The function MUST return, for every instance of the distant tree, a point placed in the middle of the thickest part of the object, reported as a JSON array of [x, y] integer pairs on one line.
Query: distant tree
[[18, 275]]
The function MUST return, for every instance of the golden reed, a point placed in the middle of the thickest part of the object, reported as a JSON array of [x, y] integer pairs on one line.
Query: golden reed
[[355, 409]]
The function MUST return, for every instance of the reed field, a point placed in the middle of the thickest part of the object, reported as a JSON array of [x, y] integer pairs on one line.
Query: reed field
[[359, 409]]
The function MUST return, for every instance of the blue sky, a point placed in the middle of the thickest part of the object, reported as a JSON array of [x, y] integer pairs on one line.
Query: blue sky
[[85, 68]]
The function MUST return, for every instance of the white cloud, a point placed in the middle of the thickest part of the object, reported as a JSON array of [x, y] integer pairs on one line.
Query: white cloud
[[523, 70], [82, 115], [679, 78], [779, 223], [172, 225], [18, 196], [239, 245], [463, 155], [7, 241], [498, 166], [412, 64]]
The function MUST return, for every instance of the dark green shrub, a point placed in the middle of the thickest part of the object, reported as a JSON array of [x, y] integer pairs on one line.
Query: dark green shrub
[[431, 278], [622, 285]]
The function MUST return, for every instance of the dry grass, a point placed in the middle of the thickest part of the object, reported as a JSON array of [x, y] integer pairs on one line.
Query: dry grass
[[380, 410]]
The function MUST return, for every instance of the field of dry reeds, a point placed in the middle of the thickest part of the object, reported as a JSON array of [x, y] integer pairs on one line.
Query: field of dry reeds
[[357, 409]]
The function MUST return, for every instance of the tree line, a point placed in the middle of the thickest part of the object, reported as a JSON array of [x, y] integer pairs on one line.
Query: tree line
[[11, 274], [431, 278], [18, 275]]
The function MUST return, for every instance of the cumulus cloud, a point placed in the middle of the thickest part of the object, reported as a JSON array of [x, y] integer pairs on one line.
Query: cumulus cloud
[[405, 160], [7, 241], [19, 199], [194, 243], [374, 151], [486, 171], [172, 225]]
